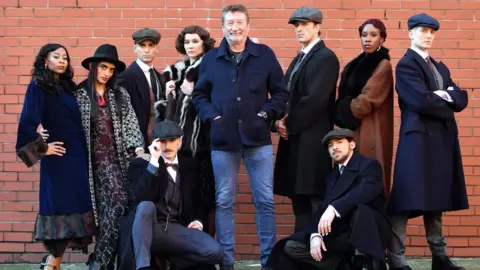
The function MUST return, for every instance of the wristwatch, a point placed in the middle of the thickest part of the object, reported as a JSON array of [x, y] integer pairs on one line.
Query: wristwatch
[[264, 115]]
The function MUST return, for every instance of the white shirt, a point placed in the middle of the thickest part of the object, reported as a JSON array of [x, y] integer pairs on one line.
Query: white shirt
[[170, 170], [146, 70], [425, 55], [307, 49]]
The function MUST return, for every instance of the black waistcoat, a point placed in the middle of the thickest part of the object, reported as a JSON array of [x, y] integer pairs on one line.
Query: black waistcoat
[[170, 206]]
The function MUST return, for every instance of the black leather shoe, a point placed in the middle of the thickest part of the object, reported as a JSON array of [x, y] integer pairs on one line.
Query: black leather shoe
[[266, 268], [444, 263], [226, 267], [405, 267]]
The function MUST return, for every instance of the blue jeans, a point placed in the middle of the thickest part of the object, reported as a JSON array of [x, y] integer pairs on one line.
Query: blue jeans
[[259, 164]]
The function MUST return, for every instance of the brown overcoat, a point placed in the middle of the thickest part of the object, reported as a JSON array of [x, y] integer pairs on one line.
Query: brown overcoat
[[374, 107], [365, 105]]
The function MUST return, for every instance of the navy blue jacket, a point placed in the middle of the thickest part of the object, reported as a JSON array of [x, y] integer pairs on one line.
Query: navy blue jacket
[[238, 94]]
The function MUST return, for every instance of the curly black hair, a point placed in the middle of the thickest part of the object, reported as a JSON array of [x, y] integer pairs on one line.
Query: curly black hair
[[44, 77], [208, 42]]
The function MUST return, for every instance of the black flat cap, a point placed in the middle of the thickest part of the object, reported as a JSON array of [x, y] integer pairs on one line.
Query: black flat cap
[[423, 19], [146, 34], [167, 130], [306, 14], [338, 133]]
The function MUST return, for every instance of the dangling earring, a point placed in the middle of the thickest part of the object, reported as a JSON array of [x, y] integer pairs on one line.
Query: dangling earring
[[379, 47], [46, 65]]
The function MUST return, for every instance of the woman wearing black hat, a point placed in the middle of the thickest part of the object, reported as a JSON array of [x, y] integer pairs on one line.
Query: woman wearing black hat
[[113, 136], [193, 42], [365, 98], [66, 217]]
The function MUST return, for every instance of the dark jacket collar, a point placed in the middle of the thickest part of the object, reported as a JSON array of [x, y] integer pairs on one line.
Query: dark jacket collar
[[250, 47]]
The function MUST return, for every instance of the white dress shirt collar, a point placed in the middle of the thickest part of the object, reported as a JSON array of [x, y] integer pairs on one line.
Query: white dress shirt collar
[[143, 66], [307, 49], [423, 54]]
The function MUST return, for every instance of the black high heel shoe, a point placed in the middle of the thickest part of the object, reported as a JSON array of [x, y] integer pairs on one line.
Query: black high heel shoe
[[44, 263]]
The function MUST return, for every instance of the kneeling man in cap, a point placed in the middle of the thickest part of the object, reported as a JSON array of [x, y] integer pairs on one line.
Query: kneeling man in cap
[[351, 221], [168, 217]]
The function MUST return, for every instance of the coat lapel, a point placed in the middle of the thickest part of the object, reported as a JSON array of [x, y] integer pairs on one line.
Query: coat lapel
[[350, 173], [142, 83], [296, 76], [426, 70], [68, 101]]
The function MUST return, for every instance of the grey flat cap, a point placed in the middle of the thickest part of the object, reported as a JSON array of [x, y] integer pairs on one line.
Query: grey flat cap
[[338, 133], [306, 14], [167, 130], [146, 34]]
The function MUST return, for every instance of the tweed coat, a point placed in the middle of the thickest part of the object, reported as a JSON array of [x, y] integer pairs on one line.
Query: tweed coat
[[126, 132]]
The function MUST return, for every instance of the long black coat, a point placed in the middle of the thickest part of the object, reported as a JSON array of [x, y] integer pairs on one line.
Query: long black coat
[[303, 162], [428, 174], [134, 81], [359, 188], [148, 187]]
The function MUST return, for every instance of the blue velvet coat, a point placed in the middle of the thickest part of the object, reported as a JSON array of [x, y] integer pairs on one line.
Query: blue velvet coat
[[428, 174], [64, 185]]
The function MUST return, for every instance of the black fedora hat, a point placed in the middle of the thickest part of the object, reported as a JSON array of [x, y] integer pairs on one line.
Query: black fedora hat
[[107, 53]]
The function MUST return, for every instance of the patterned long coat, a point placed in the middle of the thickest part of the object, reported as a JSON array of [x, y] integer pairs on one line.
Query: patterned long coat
[[126, 132]]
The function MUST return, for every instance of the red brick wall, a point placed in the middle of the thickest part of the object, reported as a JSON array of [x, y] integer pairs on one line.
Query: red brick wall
[[81, 25]]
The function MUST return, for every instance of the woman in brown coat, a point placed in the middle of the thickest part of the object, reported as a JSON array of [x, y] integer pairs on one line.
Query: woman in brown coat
[[365, 98]]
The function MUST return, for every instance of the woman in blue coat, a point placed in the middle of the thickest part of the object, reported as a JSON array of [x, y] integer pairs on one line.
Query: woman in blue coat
[[65, 218]]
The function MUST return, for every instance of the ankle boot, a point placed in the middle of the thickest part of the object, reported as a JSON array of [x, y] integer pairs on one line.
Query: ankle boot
[[444, 263]]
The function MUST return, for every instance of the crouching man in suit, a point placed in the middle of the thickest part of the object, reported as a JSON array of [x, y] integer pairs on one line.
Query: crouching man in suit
[[168, 218], [352, 219]]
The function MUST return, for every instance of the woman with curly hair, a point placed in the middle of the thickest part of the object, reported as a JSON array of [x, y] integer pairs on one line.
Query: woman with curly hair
[[193, 42], [113, 136], [66, 217], [365, 98]]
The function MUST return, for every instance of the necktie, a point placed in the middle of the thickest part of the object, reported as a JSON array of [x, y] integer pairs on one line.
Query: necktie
[[341, 169], [295, 68], [432, 68], [173, 165], [153, 82]]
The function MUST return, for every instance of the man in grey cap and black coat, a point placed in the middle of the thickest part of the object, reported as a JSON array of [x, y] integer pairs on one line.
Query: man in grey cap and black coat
[[428, 174], [302, 160], [169, 216], [352, 219], [142, 81]]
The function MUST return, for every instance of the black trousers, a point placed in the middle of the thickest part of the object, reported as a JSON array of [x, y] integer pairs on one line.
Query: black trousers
[[304, 207], [184, 247]]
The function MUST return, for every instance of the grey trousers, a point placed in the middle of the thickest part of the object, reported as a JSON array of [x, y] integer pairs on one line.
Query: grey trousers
[[433, 229], [184, 247]]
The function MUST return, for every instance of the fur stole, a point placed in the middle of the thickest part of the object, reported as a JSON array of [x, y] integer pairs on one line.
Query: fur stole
[[353, 79], [180, 108]]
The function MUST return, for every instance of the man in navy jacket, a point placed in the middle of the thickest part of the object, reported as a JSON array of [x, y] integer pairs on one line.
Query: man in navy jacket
[[233, 94], [428, 174]]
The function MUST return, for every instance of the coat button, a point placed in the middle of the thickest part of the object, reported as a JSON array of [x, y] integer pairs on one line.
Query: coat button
[[239, 121], [239, 98], [233, 80]]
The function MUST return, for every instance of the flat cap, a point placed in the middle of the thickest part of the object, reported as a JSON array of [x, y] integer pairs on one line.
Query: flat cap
[[423, 19], [306, 14], [167, 130], [338, 133], [146, 34]]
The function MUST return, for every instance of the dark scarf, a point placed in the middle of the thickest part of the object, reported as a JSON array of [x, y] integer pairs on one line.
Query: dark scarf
[[46, 81], [353, 79]]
